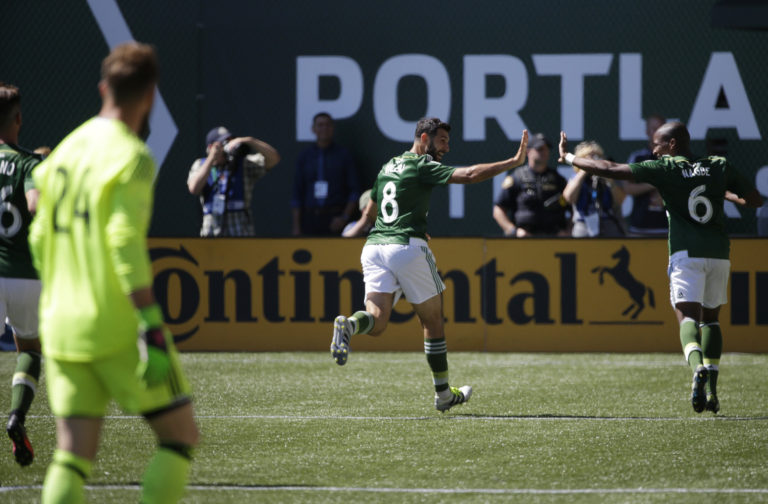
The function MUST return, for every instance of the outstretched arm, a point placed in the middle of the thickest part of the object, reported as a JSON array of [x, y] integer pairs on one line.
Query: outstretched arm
[[599, 167], [479, 172], [752, 199]]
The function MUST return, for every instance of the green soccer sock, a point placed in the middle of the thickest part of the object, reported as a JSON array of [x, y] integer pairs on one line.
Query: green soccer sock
[[362, 322], [24, 383], [712, 342], [689, 339], [437, 358], [65, 479], [165, 478]]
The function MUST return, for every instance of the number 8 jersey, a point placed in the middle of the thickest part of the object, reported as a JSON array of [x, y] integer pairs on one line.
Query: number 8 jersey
[[402, 192], [693, 194]]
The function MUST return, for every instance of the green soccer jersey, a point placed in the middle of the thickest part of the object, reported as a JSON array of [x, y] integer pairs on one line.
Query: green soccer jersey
[[16, 166], [88, 240], [693, 194], [402, 192]]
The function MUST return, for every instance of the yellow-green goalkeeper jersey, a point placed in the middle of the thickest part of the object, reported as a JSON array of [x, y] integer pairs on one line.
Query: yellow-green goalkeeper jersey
[[16, 166], [402, 191], [693, 192], [88, 239]]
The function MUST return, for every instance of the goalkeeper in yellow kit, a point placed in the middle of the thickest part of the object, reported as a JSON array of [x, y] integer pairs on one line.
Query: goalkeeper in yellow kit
[[89, 245]]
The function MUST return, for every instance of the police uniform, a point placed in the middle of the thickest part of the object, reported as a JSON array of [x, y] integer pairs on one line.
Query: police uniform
[[534, 201]]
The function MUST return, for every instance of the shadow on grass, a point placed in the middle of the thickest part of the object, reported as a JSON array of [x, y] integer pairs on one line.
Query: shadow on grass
[[557, 416]]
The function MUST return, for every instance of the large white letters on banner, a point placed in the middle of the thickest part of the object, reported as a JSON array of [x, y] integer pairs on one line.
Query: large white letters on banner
[[385, 109], [309, 69], [505, 108], [722, 74]]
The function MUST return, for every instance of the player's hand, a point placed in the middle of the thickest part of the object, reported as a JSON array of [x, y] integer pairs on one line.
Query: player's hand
[[522, 151], [154, 364], [216, 153], [563, 147]]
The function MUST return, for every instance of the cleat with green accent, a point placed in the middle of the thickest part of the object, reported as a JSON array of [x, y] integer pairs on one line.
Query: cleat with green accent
[[21, 447], [713, 404], [458, 396], [342, 330], [698, 390]]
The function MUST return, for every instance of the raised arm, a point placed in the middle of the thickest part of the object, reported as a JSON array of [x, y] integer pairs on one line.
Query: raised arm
[[271, 156], [599, 167], [573, 188], [479, 172]]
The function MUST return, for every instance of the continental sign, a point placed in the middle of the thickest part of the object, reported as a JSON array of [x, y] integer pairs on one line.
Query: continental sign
[[599, 295]]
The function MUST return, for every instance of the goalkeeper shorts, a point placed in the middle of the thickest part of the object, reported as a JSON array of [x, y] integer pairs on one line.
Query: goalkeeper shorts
[[86, 388]]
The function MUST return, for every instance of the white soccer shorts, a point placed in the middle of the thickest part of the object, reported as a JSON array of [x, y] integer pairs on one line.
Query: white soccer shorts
[[402, 269], [19, 299], [698, 280]]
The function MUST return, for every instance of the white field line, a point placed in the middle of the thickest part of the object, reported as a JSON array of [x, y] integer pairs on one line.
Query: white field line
[[486, 491], [459, 417]]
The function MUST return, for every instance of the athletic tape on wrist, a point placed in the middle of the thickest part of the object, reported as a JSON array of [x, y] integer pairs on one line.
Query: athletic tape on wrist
[[569, 158]]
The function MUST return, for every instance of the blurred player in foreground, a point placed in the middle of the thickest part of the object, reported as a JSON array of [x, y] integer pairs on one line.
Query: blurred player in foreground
[[19, 285], [396, 258], [89, 245], [693, 190]]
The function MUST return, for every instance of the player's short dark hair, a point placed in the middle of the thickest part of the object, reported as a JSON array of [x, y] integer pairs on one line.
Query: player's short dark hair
[[430, 125], [129, 71], [678, 131], [10, 102]]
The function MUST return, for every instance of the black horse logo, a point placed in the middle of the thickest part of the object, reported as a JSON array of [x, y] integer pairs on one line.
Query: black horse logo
[[625, 280]]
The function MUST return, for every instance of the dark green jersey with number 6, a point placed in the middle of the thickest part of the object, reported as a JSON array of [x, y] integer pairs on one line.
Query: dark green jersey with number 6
[[402, 191], [16, 166], [693, 193]]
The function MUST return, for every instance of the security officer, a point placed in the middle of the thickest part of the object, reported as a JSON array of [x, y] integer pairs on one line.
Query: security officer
[[531, 201]]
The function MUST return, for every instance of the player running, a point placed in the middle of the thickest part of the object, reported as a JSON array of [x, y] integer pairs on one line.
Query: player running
[[88, 241], [19, 285], [396, 258], [693, 190]]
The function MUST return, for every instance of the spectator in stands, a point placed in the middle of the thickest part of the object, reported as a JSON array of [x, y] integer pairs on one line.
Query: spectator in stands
[[364, 224], [648, 216], [531, 201], [325, 184], [596, 201], [224, 180]]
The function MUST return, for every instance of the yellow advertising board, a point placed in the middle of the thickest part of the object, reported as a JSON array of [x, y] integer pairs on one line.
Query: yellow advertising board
[[553, 295]]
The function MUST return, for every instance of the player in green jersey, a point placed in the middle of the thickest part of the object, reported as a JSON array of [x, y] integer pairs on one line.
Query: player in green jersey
[[693, 190], [88, 242], [19, 285], [396, 258]]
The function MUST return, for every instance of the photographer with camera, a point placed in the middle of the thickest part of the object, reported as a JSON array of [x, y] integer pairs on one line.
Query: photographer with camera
[[224, 181], [531, 201]]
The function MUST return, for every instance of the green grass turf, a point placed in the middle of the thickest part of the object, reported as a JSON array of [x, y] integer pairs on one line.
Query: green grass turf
[[541, 428]]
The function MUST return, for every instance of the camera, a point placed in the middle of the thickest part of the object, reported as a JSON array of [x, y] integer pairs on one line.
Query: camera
[[234, 154]]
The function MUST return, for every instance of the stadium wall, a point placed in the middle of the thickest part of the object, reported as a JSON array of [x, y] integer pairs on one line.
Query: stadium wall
[[535, 295], [594, 69]]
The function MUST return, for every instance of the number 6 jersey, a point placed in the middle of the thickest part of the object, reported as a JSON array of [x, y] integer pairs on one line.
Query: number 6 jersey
[[16, 166], [402, 192], [693, 194]]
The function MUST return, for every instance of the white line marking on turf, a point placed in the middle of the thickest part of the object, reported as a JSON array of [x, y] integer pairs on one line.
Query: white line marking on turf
[[460, 417], [494, 491]]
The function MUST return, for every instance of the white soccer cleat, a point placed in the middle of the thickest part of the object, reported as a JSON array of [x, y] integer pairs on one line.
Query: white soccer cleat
[[342, 330], [458, 396]]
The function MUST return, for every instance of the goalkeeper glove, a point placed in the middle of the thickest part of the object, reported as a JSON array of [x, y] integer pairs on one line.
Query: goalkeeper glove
[[154, 363]]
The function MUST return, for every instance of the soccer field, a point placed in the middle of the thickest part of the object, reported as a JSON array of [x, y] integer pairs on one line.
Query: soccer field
[[542, 428]]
